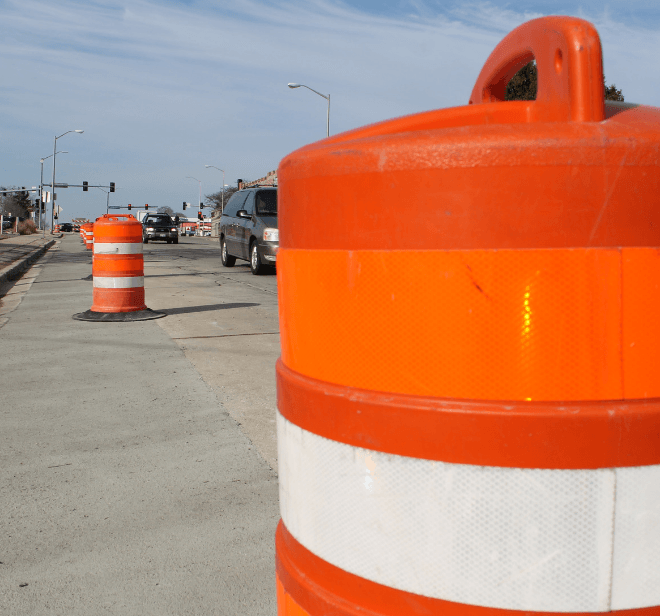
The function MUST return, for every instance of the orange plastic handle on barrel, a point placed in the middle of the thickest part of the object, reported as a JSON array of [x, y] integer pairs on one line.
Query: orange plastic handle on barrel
[[568, 56]]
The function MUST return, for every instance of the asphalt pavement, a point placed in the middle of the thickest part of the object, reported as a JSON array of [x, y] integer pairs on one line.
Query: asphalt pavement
[[126, 485]]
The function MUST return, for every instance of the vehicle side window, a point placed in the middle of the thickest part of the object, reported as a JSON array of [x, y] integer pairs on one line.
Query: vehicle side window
[[248, 206], [235, 203], [266, 202]]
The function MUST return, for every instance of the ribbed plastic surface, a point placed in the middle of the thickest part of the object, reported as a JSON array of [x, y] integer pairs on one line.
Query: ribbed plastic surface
[[525, 539]]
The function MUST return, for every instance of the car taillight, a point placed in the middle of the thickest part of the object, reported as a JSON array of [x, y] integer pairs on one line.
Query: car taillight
[[173, 229], [271, 235]]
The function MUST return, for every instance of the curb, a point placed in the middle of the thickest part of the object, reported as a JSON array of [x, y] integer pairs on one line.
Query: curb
[[14, 270]]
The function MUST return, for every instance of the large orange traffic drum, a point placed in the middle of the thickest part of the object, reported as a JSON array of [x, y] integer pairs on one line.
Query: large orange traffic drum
[[469, 386], [118, 272]]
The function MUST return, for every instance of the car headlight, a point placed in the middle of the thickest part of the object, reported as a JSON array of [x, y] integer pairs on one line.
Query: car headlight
[[271, 235], [150, 228]]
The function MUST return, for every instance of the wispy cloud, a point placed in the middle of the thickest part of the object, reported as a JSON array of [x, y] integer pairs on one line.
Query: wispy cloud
[[161, 88]]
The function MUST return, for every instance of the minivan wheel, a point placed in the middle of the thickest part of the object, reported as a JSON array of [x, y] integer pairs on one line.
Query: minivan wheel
[[225, 257], [255, 262]]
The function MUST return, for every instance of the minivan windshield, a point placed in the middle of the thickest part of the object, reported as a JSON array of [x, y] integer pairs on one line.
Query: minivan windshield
[[266, 203]]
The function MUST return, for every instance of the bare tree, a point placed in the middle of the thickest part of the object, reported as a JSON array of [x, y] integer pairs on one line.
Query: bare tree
[[214, 200], [15, 203]]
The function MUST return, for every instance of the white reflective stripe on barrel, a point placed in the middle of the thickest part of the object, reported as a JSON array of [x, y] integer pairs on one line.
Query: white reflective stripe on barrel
[[112, 248], [521, 539], [118, 282]]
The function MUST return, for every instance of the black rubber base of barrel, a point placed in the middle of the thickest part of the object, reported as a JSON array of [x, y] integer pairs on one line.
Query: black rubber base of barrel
[[118, 317]]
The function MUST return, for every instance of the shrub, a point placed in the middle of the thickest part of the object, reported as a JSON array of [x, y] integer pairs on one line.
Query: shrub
[[27, 227]]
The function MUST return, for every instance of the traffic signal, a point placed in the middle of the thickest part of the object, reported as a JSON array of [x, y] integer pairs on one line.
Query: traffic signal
[[112, 187], [184, 206], [200, 216], [37, 204], [129, 207], [85, 186], [201, 205], [146, 206]]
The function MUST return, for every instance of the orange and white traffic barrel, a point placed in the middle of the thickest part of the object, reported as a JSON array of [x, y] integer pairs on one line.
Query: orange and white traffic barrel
[[88, 237], [57, 228], [118, 272], [469, 385]]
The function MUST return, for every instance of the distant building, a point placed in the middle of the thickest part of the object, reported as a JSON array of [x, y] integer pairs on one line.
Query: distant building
[[270, 179]]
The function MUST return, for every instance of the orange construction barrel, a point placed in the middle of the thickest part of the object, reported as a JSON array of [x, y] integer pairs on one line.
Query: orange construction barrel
[[118, 272], [469, 385], [89, 235]]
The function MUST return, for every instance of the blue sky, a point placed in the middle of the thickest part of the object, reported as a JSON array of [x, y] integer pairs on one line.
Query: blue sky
[[163, 87]]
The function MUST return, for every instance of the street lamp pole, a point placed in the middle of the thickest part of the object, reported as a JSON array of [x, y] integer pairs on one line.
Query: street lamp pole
[[302, 85], [41, 192], [52, 209], [222, 208]]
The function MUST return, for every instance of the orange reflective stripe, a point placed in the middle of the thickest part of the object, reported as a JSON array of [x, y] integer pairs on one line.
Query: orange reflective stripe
[[118, 300], [286, 606], [641, 327], [544, 324], [118, 265]]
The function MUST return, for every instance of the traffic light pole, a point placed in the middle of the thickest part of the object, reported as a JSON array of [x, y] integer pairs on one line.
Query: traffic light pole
[[124, 207], [84, 186]]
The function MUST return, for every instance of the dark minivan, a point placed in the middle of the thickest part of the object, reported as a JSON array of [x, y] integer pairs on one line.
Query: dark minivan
[[248, 228]]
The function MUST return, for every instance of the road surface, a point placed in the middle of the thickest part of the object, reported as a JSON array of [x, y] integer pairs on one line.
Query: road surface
[[138, 460]]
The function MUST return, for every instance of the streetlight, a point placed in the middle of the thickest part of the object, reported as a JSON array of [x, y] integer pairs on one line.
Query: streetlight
[[302, 85], [41, 187], [200, 188], [52, 210], [222, 209]]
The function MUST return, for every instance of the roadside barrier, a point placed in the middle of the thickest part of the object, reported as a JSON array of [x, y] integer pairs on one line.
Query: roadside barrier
[[57, 229], [118, 272], [468, 391]]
